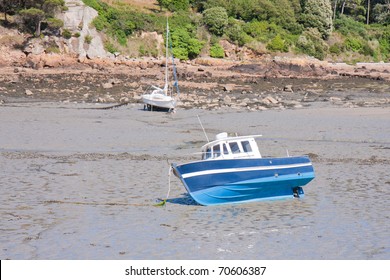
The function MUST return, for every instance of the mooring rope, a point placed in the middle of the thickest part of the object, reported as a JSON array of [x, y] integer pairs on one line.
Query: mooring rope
[[163, 202]]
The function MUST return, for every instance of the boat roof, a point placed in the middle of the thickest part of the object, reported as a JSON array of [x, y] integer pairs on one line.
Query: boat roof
[[230, 138]]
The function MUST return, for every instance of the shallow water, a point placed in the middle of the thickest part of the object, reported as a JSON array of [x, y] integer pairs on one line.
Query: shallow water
[[80, 183]]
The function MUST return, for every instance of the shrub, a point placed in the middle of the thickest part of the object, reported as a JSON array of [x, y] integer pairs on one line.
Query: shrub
[[335, 49], [353, 44], [53, 49], [176, 5], [180, 53], [88, 39], [237, 35], [185, 45], [217, 51], [311, 43], [54, 23], [110, 47], [216, 20], [277, 44], [66, 34], [100, 23], [348, 27]]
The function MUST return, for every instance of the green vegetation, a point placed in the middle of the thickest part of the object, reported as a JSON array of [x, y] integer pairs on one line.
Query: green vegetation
[[341, 30], [36, 15], [217, 51], [88, 39]]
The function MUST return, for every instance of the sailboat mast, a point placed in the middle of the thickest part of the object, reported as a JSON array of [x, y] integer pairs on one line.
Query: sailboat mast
[[166, 61]]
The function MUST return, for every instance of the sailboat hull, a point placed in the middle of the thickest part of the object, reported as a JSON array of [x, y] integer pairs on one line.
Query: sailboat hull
[[158, 100]]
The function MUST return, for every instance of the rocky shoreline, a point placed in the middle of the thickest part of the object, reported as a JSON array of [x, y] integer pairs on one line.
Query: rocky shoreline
[[277, 83]]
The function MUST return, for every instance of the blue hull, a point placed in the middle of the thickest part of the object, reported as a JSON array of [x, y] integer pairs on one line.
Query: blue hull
[[214, 182]]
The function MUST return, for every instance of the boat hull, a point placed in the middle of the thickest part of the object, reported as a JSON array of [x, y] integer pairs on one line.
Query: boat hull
[[159, 101], [213, 182]]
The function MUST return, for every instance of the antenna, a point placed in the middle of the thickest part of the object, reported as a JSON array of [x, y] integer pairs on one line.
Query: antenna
[[203, 129]]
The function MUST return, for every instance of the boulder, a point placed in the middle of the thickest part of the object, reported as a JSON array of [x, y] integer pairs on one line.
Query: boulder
[[288, 88]]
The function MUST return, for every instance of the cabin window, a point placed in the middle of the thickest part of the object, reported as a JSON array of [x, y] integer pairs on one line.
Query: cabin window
[[208, 153], [216, 150], [246, 146], [225, 149], [234, 147]]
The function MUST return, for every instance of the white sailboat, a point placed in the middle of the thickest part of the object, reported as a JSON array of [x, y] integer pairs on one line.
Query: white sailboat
[[163, 98]]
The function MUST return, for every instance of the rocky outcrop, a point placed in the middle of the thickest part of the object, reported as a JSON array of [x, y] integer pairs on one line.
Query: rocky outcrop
[[77, 19]]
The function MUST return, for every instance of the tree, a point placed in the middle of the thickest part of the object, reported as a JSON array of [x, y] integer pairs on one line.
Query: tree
[[382, 12], [9, 6], [51, 7], [33, 17], [216, 19], [318, 14]]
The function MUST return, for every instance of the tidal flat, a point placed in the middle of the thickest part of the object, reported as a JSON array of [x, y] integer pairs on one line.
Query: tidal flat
[[82, 183]]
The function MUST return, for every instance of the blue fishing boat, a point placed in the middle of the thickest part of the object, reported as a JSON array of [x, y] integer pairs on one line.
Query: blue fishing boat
[[232, 170]]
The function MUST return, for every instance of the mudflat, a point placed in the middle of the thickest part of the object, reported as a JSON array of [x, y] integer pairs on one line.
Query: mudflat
[[82, 183]]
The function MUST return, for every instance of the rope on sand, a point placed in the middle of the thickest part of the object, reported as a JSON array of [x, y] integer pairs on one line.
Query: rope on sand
[[164, 201]]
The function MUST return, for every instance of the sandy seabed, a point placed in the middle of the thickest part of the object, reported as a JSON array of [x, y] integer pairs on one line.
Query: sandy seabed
[[81, 183]]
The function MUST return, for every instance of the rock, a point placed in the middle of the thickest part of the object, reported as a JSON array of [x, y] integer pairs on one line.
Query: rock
[[335, 99], [227, 100], [228, 88], [107, 85], [28, 92], [270, 99], [78, 18], [51, 61], [288, 88], [143, 65], [34, 46]]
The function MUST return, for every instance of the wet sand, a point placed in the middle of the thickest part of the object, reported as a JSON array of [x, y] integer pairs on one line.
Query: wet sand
[[81, 183]]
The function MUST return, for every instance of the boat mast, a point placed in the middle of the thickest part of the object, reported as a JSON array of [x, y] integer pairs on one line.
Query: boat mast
[[166, 61]]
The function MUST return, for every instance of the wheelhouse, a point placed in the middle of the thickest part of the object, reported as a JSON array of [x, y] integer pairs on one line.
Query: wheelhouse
[[225, 147]]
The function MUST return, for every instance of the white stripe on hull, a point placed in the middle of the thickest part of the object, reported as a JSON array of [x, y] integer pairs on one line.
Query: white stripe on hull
[[243, 169]]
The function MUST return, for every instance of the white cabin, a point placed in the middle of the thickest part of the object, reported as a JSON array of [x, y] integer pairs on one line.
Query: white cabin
[[225, 147]]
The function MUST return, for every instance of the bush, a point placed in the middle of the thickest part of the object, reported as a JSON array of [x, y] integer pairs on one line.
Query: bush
[[54, 23], [177, 5], [216, 20], [348, 27], [335, 49], [185, 45], [384, 43], [311, 43], [237, 35], [110, 47], [100, 23], [217, 51], [53, 49], [353, 44], [66, 34], [277, 44], [88, 39]]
